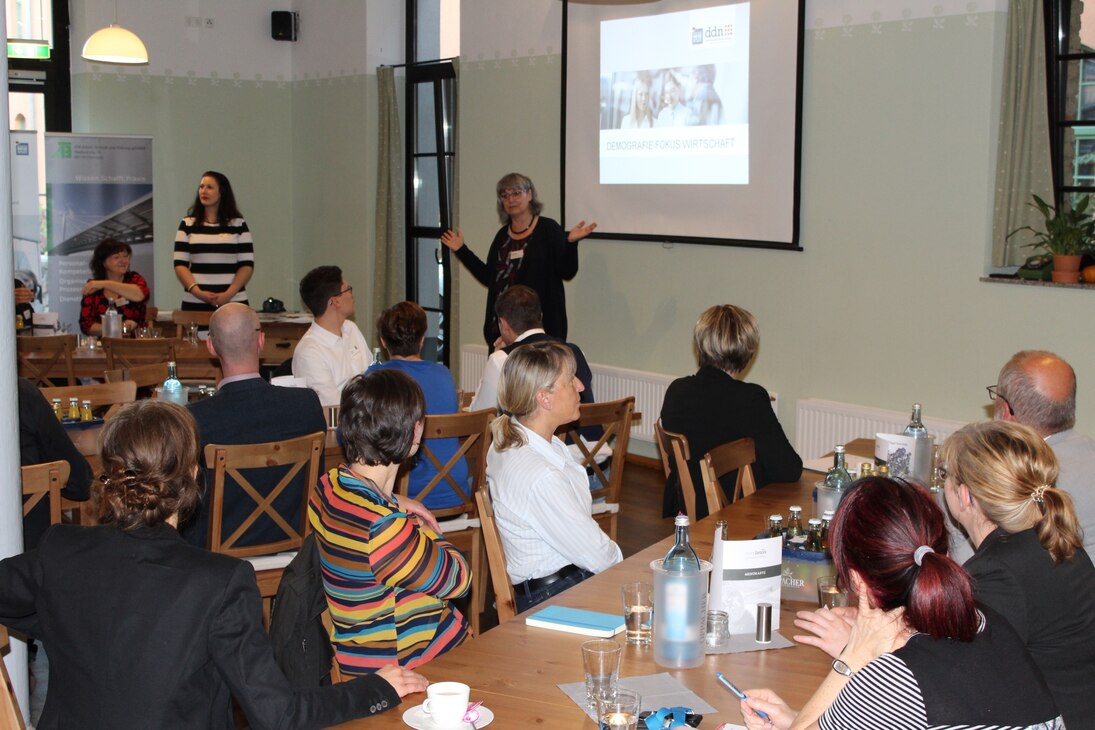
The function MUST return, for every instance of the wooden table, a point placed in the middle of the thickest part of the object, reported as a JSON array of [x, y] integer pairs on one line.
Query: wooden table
[[514, 669]]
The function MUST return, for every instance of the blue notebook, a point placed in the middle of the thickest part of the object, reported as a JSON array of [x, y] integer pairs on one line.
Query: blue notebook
[[577, 621]]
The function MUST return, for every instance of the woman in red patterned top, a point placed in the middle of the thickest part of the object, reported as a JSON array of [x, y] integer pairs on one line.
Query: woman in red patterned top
[[112, 282]]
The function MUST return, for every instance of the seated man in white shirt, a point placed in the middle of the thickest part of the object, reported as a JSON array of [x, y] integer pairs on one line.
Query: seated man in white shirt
[[333, 350], [540, 493]]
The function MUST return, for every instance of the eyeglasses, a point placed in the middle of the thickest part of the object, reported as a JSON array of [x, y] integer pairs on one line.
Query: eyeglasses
[[347, 290], [511, 193], [994, 393]]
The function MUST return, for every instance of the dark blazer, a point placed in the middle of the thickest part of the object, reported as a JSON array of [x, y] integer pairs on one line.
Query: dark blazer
[[145, 631], [549, 260], [251, 412], [42, 438], [711, 408], [1052, 608]]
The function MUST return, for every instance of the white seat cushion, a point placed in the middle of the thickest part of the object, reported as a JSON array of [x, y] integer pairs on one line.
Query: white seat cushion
[[271, 562], [459, 524], [603, 508]]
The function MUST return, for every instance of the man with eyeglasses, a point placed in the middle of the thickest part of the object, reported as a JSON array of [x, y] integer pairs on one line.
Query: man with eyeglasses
[[1038, 389], [248, 410], [333, 350]]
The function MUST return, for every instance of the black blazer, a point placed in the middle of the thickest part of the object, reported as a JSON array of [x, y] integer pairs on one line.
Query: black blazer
[[42, 438], [1052, 608], [251, 412], [711, 408], [145, 631]]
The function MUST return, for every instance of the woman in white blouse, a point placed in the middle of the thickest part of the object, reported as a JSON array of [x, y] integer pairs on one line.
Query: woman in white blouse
[[540, 492]]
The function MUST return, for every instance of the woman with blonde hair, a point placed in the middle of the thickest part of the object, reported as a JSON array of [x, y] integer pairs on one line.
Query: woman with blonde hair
[[540, 492], [1029, 563], [144, 630], [715, 406]]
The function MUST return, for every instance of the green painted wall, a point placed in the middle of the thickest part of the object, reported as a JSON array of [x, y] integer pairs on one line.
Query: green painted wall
[[242, 129], [883, 307]]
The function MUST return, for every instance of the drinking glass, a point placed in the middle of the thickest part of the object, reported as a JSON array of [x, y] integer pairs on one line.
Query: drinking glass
[[620, 712], [601, 659], [192, 333], [829, 593], [638, 599], [718, 629]]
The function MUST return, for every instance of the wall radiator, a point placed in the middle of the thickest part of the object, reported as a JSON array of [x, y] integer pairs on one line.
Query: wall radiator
[[609, 383], [821, 424]]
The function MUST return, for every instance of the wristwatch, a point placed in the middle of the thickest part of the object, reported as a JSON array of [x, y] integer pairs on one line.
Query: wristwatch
[[841, 668]]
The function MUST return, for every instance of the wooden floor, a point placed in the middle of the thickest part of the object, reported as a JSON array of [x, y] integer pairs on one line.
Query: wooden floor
[[640, 522]]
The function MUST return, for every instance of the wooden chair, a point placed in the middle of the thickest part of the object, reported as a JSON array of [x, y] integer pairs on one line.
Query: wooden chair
[[126, 353], [145, 376], [675, 455], [10, 716], [460, 524], [615, 418], [100, 394], [45, 481], [34, 365], [464, 399], [182, 318], [738, 455], [505, 599], [269, 558]]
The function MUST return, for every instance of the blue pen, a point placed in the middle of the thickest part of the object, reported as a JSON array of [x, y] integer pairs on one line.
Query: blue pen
[[737, 692]]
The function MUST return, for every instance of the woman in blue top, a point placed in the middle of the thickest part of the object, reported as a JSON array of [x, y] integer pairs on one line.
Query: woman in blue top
[[402, 330]]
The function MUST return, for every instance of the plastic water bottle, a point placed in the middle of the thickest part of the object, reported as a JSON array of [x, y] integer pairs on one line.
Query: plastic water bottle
[[172, 389]]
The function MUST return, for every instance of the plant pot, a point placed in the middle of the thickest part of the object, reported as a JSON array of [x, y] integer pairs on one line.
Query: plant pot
[[1066, 269], [1065, 277]]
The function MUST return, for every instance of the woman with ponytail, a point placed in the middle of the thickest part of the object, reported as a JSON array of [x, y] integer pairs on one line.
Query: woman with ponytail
[[920, 653], [145, 630], [540, 492], [1029, 563]]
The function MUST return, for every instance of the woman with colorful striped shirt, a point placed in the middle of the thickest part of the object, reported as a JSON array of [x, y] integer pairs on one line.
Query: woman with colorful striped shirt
[[214, 253], [387, 571]]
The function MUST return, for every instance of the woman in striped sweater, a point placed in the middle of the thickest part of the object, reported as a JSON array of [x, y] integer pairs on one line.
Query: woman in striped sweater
[[214, 253], [387, 571], [921, 653]]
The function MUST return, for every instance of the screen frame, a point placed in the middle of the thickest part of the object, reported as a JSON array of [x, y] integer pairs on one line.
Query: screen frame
[[796, 196]]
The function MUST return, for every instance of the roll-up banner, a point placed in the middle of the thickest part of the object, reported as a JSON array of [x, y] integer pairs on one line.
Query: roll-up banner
[[97, 187]]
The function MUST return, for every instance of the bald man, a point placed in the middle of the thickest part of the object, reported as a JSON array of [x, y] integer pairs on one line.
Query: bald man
[[248, 410], [1038, 389]]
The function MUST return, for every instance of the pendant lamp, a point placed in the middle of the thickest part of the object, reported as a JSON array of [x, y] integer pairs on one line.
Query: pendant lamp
[[115, 44]]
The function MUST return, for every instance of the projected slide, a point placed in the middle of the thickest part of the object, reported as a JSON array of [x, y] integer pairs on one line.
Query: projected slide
[[674, 98]]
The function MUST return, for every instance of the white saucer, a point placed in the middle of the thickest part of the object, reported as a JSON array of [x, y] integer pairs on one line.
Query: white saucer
[[419, 720]]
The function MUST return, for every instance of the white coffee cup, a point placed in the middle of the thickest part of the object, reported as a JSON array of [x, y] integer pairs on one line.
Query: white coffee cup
[[446, 703]]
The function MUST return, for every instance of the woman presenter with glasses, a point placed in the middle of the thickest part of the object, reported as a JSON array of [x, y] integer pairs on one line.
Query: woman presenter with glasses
[[529, 249]]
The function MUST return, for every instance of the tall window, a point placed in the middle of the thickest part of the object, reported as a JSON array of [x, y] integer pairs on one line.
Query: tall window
[[1070, 59]]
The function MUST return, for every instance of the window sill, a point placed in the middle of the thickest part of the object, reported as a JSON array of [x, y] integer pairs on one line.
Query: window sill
[[1027, 282]]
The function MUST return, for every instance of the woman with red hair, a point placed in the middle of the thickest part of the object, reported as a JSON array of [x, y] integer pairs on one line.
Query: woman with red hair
[[921, 653]]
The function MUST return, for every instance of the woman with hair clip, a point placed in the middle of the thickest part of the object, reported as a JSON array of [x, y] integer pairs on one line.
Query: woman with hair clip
[[144, 630], [540, 493], [388, 572], [1029, 563], [920, 653], [214, 252]]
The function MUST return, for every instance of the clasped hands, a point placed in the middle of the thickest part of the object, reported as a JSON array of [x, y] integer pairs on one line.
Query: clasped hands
[[857, 635]]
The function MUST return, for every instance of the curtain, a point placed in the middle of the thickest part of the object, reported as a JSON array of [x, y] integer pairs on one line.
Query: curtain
[[389, 271], [1023, 156]]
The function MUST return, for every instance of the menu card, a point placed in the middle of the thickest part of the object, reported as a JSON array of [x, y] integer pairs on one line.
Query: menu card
[[743, 574]]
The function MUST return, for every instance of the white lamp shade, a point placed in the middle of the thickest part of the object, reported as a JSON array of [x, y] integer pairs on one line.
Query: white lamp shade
[[115, 44]]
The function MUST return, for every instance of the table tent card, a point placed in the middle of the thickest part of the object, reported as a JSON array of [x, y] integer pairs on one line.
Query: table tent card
[[745, 573]]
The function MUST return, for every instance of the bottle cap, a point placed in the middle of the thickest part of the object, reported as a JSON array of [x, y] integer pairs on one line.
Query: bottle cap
[[839, 449], [681, 520], [775, 518], [827, 514], [815, 522], [796, 508]]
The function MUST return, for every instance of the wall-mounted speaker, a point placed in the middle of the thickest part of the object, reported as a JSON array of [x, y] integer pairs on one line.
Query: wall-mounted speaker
[[284, 25]]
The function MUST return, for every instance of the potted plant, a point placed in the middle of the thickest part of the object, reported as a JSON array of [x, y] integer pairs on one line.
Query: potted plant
[[1068, 234]]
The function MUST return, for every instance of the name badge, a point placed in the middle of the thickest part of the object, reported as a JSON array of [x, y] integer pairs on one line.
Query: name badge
[[517, 254]]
